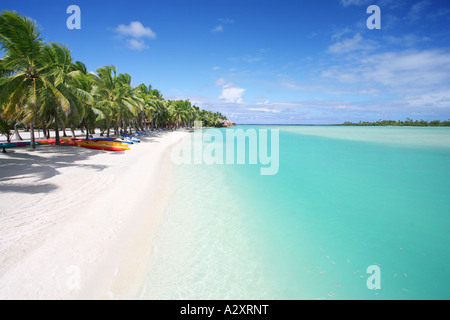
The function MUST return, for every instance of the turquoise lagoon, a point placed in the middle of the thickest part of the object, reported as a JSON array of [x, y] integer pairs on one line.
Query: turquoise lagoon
[[344, 199]]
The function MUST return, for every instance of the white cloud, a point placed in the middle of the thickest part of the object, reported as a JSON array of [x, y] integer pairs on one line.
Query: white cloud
[[135, 30], [135, 44], [216, 68], [416, 10], [133, 33], [417, 69], [219, 28], [410, 78], [337, 35], [347, 3], [226, 21], [351, 44], [371, 92], [232, 93], [408, 40], [264, 110], [247, 58], [220, 82]]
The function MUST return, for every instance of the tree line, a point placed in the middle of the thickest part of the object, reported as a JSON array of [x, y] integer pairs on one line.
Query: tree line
[[407, 123], [42, 87]]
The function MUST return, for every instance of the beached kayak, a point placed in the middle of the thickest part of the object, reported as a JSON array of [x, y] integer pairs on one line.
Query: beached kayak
[[102, 146], [8, 145], [102, 138], [43, 142], [62, 141], [111, 143], [15, 144], [124, 141]]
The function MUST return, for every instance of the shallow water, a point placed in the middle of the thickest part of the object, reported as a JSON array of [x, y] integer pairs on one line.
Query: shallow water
[[344, 199]]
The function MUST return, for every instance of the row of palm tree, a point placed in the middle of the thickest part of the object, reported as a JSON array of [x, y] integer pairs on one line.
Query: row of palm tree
[[41, 87]]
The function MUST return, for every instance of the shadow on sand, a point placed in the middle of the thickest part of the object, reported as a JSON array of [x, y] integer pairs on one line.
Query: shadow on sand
[[40, 164], [44, 163]]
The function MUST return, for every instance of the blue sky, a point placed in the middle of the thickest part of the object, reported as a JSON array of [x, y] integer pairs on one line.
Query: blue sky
[[261, 61]]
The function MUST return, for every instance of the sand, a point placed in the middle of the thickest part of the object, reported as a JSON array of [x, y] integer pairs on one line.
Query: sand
[[76, 223]]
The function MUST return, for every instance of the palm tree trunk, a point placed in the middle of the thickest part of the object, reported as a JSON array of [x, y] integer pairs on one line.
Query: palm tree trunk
[[16, 133], [33, 140], [57, 141]]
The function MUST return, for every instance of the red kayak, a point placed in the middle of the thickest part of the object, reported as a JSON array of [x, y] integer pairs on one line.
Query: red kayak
[[21, 144], [69, 143], [104, 148]]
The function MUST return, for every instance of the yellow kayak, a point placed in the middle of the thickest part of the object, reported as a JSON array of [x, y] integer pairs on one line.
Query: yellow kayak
[[103, 144], [113, 143]]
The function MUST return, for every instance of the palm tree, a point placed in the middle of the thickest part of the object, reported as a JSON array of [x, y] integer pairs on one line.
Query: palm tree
[[105, 93], [40, 85], [63, 73], [130, 105], [83, 80], [114, 97], [143, 92], [27, 83], [6, 126]]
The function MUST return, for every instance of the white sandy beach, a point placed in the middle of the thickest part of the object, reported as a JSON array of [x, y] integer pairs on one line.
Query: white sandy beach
[[76, 223]]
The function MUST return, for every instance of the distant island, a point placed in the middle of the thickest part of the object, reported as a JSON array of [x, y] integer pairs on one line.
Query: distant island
[[407, 123]]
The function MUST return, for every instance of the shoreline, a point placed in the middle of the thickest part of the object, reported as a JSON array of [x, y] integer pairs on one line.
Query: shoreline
[[69, 218]]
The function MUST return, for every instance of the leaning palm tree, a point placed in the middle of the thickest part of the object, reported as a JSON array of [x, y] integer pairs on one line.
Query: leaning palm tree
[[28, 83]]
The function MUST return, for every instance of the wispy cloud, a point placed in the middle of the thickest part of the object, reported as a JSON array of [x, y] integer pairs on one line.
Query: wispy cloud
[[265, 110], [225, 20], [339, 34], [222, 21], [416, 10], [408, 40], [411, 78], [247, 58], [219, 28], [220, 82], [347, 3], [135, 44], [351, 44]]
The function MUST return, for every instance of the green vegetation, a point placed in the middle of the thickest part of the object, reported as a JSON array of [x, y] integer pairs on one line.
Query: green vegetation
[[408, 123], [41, 87]]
